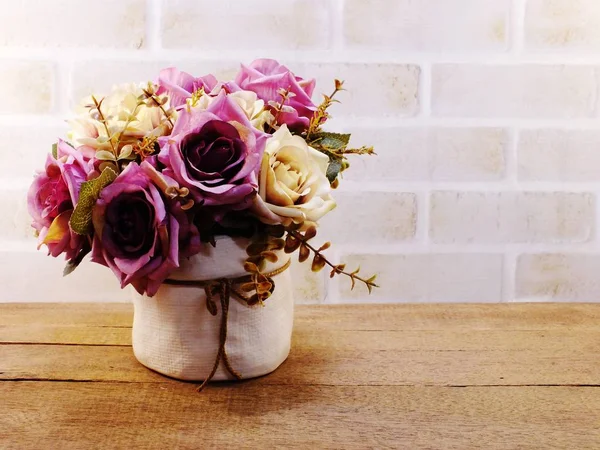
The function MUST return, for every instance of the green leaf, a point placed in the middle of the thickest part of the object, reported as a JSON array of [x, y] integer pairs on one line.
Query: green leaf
[[333, 169], [55, 150], [105, 155], [126, 152], [81, 220], [332, 141]]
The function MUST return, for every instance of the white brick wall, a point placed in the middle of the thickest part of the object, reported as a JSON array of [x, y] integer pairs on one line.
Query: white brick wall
[[484, 115]]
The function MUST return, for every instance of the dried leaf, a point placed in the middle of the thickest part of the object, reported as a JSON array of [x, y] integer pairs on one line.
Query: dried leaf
[[310, 233], [291, 244], [253, 300], [250, 267], [325, 246], [270, 256], [337, 269], [276, 244], [276, 231], [303, 254], [81, 219], [256, 248], [247, 287], [263, 287], [318, 263]]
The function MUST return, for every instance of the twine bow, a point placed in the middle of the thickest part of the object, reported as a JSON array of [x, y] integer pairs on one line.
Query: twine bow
[[225, 288]]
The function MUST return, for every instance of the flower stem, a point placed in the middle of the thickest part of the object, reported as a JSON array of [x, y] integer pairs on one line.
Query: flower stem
[[153, 98], [353, 276], [103, 120]]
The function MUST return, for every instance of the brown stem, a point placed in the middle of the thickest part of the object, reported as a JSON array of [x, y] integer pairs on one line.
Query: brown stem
[[279, 108], [103, 120], [301, 237], [153, 98]]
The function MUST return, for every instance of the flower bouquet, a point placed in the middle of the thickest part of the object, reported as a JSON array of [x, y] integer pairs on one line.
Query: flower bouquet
[[192, 190]]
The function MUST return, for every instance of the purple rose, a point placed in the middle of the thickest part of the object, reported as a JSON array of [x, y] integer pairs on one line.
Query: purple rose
[[180, 86], [215, 153], [267, 77], [141, 234], [52, 198]]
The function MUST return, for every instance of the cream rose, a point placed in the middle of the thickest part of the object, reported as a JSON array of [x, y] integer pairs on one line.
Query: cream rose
[[123, 115], [248, 101], [293, 185]]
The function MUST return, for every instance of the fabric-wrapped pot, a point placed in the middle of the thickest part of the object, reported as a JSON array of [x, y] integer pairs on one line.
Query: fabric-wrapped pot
[[175, 334]]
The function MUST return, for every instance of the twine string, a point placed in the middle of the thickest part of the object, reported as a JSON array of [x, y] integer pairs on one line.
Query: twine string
[[225, 288]]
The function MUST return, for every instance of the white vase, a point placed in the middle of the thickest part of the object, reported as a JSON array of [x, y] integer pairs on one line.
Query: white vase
[[175, 334]]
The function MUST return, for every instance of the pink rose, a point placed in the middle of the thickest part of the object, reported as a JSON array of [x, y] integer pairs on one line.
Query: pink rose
[[215, 153], [267, 77], [52, 198], [139, 233], [180, 86]]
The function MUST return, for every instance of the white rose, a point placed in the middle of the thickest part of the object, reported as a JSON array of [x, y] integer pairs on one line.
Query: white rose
[[124, 117], [248, 101], [293, 185]]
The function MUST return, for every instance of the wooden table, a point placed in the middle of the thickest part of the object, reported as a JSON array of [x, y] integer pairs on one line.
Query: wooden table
[[380, 376]]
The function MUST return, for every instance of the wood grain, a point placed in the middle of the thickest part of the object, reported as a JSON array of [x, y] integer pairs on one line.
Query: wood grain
[[247, 415], [503, 316], [359, 376]]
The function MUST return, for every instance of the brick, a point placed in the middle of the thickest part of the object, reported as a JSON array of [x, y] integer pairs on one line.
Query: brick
[[424, 153], [27, 150], [309, 287], [562, 25], [427, 25], [558, 277], [402, 154], [434, 277], [230, 24], [467, 154], [370, 217], [95, 77], [27, 87], [526, 91], [559, 155], [499, 217], [73, 23], [36, 277], [371, 89]]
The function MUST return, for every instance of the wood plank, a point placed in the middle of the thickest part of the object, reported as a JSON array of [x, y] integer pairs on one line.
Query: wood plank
[[83, 314], [326, 365], [153, 416], [65, 334], [504, 316], [555, 340]]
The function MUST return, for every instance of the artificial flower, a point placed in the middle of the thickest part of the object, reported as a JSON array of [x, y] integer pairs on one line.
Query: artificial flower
[[215, 153], [52, 198], [267, 78], [139, 232], [293, 185]]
